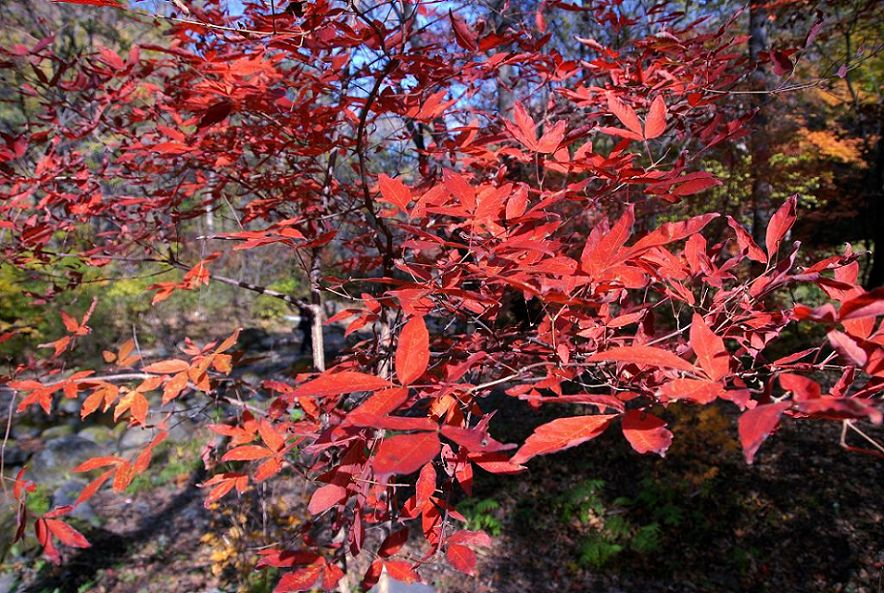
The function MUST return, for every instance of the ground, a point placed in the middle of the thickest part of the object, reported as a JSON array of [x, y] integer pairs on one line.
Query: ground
[[805, 517]]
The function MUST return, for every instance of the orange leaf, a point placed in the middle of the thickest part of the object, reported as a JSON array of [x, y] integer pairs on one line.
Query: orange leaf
[[167, 367]]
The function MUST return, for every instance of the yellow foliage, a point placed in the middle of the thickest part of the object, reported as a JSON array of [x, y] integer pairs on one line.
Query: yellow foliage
[[830, 146]]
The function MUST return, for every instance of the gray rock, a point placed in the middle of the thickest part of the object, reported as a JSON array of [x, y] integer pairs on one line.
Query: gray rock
[[8, 521], [387, 584], [8, 582], [23, 430], [136, 438], [15, 455], [70, 406], [60, 456], [181, 430]]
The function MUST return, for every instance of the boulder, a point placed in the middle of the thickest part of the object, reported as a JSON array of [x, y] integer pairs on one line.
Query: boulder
[[59, 456]]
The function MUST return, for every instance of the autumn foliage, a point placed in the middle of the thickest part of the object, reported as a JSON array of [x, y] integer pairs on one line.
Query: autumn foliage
[[556, 251]]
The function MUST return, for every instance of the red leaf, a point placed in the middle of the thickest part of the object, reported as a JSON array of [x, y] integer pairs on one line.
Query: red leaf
[[406, 453], [524, 129], [625, 114], [326, 497], [425, 487], [215, 113], [462, 558], [669, 232], [70, 324], [268, 469], [66, 534], [470, 538], [699, 391], [45, 540], [848, 348], [602, 249], [550, 141], [93, 487], [393, 543], [301, 580], [247, 453], [695, 185], [463, 34], [394, 192], [496, 463], [746, 243], [646, 433], [330, 384], [779, 225], [561, 434], [868, 304], [709, 348], [620, 132], [380, 404], [756, 424], [274, 440], [802, 388], [646, 355], [655, 125], [401, 571], [413, 351]]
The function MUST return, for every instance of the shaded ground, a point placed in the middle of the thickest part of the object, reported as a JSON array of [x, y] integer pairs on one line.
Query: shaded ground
[[805, 518]]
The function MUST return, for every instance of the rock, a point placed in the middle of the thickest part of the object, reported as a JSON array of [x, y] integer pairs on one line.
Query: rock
[[70, 406], [67, 494], [181, 430], [8, 582], [387, 584], [60, 456], [136, 438], [23, 430], [97, 434], [15, 455], [254, 338], [55, 432], [8, 521]]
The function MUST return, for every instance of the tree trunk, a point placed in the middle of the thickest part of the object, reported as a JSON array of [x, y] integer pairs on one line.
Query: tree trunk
[[505, 77], [875, 276], [317, 315], [759, 141]]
